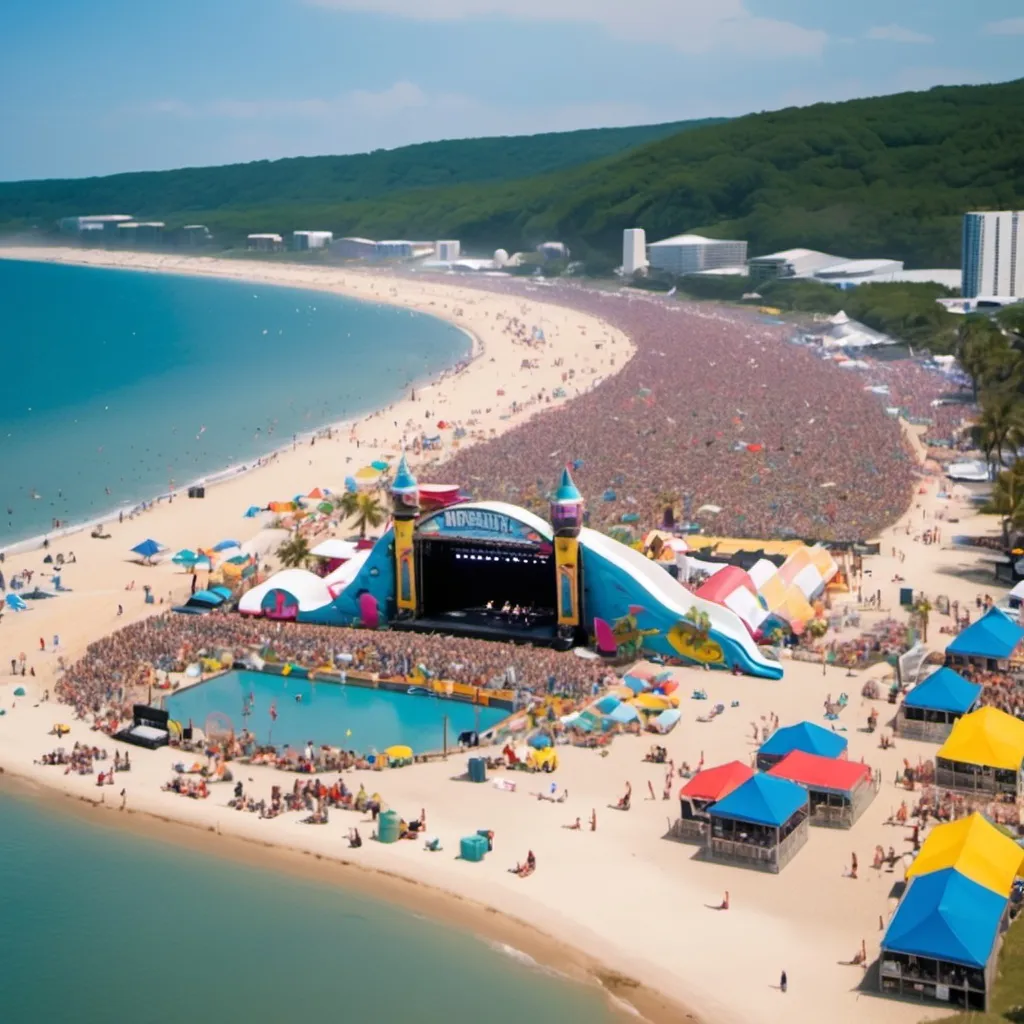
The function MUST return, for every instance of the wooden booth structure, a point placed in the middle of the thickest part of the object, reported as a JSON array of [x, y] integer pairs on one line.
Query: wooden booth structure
[[704, 789], [941, 944], [761, 824], [839, 791], [983, 755], [805, 736], [934, 706]]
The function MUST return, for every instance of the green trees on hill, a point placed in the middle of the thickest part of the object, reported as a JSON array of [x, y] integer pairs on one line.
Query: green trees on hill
[[283, 195]]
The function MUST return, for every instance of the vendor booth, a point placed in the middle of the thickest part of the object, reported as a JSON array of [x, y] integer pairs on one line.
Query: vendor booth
[[983, 755], [976, 849], [701, 792], [932, 707], [839, 790], [941, 943], [990, 643], [760, 824], [805, 736]]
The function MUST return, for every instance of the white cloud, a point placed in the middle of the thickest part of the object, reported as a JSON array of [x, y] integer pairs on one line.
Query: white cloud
[[690, 26], [898, 34], [1006, 27]]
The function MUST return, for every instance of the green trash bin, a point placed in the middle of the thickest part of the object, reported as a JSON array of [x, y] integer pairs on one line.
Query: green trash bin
[[388, 827], [477, 769]]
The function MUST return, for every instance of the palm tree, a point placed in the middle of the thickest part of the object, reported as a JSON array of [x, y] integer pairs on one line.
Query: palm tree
[[923, 608], [701, 626], [294, 551], [369, 512], [1008, 498], [1001, 423]]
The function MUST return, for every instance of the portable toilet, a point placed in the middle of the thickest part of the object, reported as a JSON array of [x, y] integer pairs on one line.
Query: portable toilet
[[477, 769], [473, 848], [388, 827]]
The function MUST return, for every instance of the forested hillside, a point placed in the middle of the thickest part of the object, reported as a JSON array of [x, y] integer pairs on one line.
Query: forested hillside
[[889, 176], [311, 183]]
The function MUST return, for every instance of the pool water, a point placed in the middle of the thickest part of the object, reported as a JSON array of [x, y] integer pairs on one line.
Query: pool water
[[351, 717]]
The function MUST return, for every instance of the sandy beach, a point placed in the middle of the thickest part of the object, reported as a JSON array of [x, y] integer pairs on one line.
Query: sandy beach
[[624, 901]]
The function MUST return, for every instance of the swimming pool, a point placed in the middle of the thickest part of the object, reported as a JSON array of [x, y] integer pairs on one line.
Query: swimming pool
[[351, 717]]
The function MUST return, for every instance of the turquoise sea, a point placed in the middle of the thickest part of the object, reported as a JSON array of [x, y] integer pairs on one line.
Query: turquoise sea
[[103, 927], [119, 385], [351, 717]]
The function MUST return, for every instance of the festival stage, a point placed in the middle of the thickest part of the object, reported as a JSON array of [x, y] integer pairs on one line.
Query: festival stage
[[482, 625]]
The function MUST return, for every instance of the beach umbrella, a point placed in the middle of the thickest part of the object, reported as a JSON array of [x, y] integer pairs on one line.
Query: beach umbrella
[[299, 499], [202, 564], [325, 507], [224, 544], [653, 702], [350, 484], [607, 704], [399, 753], [635, 684], [315, 493], [624, 714], [539, 741], [379, 464], [252, 511], [184, 557], [15, 603], [148, 548], [239, 560], [19, 691]]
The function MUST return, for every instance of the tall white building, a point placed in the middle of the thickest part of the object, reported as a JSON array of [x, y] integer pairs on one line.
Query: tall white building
[[691, 254], [634, 250], [993, 254]]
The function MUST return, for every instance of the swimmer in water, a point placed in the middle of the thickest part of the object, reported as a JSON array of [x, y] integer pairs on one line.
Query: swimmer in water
[[298, 698]]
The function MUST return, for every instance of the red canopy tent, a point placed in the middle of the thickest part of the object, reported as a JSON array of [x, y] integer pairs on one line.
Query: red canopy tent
[[715, 783], [827, 774]]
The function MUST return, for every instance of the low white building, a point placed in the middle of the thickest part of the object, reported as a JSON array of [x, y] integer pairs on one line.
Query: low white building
[[353, 248], [790, 263], [447, 250], [97, 222], [634, 251], [402, 249], [691, 254], [264, 242], [302, 240]]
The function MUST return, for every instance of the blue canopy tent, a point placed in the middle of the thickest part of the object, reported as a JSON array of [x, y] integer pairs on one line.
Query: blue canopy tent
[[805, 736], [606, 705], [990, 640], [147, 549], [222, 592], [200, 602], [950, 925], [185, 556], [760, 824], [930, 709], [635, 684], [624, 714]]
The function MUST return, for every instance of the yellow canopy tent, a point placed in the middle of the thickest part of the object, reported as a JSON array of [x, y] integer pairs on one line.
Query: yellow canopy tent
[[987, 737], [975, 848], [367, 475], [656, 701]]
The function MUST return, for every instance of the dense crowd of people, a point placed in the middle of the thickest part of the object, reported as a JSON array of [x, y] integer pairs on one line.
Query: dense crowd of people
[[715, 409], [116, 665]]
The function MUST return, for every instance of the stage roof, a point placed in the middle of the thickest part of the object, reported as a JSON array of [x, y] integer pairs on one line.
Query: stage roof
[[762, 800], [976, 848], [820, 773], [946, 916], [987, 737], [718, 782], [992, 636], [805, 736], [944, 690]]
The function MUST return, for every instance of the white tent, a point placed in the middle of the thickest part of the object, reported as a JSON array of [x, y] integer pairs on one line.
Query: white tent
[[334, 547], [309, 591]]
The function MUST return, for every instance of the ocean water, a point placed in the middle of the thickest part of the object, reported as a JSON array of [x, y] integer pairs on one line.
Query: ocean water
[[352, 717], [120, 385], [102, 927]]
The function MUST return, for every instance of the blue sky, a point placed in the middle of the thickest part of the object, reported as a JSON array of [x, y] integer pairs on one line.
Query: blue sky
[[99, 86]]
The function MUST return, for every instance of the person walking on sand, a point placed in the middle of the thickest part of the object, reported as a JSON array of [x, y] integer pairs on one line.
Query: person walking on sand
[[593, 819], [783, 983]]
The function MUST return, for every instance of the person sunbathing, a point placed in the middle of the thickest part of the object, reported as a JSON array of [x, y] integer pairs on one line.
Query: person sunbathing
[[527, 868], [576, 826], [625, 799]]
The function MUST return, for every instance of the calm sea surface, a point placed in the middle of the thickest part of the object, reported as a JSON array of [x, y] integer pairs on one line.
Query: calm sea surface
[[102, 927], [351, 717], [118, 385]]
